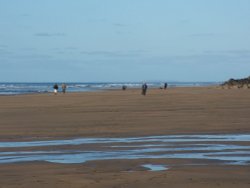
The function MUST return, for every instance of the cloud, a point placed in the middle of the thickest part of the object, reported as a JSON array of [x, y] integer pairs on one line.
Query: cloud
[[25, 15], [3, 46], [114, 53], [238, 52], [119, 25], [28, 49], [66, 50], [184, 21], [206, 58], [44, 34], [106, 53], [4, 52], [97, 20], [202, 35], [71, 48], [32, 56], [241, 52]]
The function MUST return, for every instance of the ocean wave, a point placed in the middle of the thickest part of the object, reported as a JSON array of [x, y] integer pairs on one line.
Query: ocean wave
[[27, 88]]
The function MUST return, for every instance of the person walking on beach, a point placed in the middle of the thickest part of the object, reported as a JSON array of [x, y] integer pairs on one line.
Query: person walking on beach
[[144, 89], [124, 87], [64, 87], [166, 85], [55, 89]]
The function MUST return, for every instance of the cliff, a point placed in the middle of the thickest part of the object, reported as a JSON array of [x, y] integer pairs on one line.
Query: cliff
[[237, 83]]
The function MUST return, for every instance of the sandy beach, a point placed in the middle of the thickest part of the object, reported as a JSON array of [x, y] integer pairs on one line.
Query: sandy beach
[[118, 114]]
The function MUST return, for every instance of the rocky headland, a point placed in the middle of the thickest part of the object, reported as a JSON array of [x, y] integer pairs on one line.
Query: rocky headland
[[237, 83]]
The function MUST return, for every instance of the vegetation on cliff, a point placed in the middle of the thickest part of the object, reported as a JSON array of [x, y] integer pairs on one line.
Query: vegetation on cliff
[[237, 83]]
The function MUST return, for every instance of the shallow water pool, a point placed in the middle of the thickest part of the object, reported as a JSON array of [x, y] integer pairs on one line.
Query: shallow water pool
[[226, 148]]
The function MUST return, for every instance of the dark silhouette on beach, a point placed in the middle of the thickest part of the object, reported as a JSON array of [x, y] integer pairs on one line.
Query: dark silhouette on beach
[[64, 87], [124, 87], [144, 89], [165, 85], [55, 89]]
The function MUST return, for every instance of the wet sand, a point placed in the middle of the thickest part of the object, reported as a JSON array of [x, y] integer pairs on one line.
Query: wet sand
[[99, 174], [200, 110]]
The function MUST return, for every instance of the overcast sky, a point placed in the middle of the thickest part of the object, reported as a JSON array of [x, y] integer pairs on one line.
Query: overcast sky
[[124, 40]]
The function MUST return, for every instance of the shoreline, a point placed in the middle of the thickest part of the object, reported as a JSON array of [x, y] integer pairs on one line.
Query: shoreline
[[39, 88], [111, 89]]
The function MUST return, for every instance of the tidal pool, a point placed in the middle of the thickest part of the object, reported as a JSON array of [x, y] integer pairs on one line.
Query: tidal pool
[[152, 167], [226, 148]]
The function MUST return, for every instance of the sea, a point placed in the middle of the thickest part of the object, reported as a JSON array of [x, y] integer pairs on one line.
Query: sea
[[13, 88]]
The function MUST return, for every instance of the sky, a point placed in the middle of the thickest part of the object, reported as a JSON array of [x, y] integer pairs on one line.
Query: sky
[[124, 40]]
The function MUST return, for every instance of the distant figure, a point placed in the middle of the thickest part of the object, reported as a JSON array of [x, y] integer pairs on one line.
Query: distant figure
[[144, 89], [124, 87], [55, 89], [165, 85], [64, 87]]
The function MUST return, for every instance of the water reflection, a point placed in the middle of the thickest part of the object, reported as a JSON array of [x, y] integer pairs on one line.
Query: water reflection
[[229, 149], [152, 167]]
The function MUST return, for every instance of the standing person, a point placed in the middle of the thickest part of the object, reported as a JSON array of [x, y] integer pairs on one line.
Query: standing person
[[64, 86], [124, 87], [144, 89], [166, 85], [55, 89]]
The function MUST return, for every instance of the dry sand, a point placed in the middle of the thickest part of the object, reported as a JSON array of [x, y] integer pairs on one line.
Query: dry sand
[[122, 114]]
